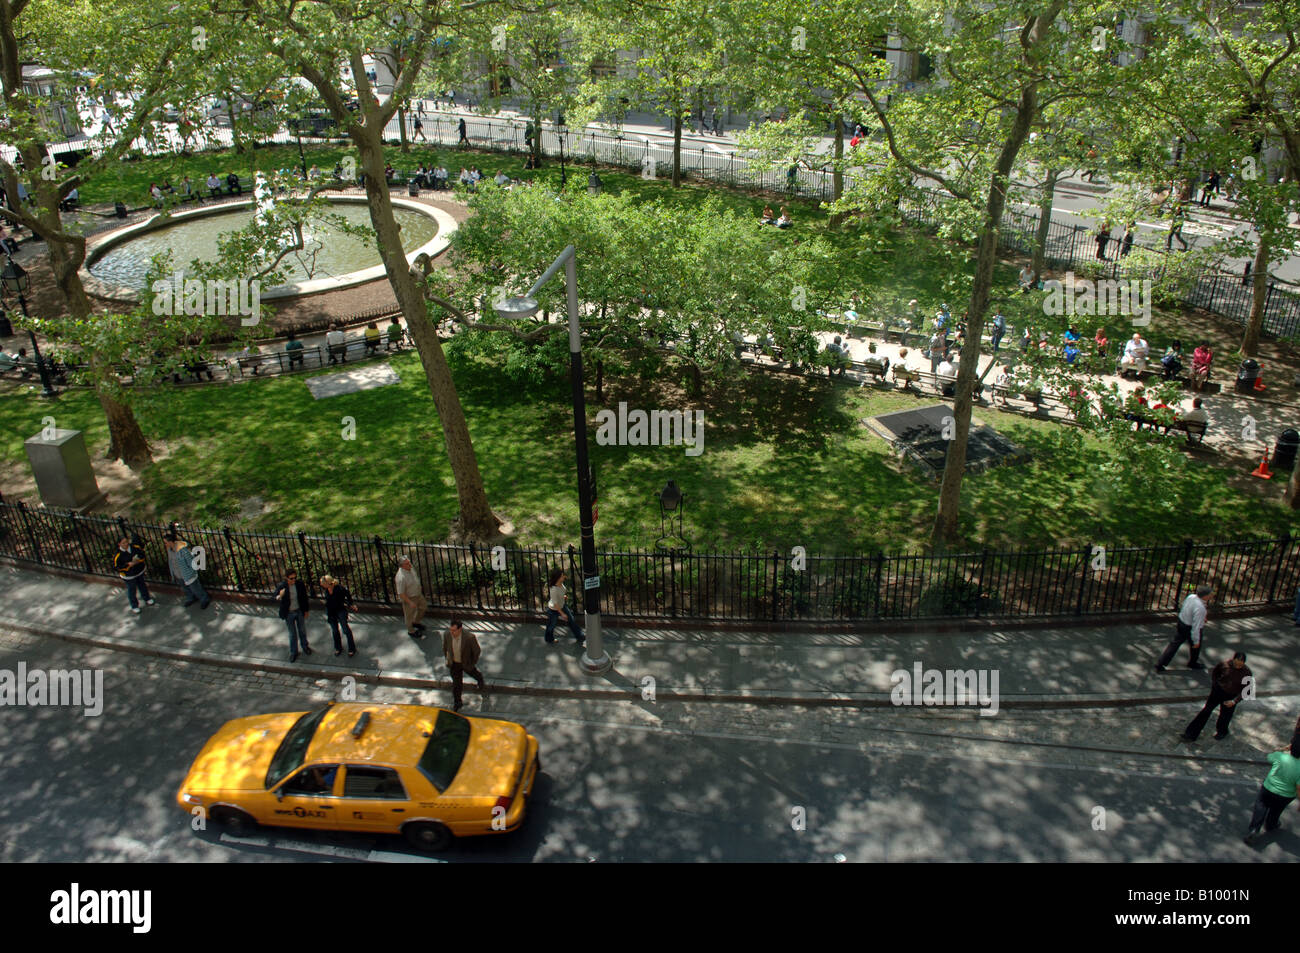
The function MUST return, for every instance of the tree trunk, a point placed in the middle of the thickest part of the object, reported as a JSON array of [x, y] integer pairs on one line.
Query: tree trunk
[[1259, 295], [476, 520], [945, 522], [837, 174], [234, 128], [66, 254], [677, 149], [401, 130], [1044, 222]]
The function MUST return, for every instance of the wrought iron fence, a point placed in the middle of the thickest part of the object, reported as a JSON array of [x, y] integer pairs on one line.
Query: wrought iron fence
[[663, 586]]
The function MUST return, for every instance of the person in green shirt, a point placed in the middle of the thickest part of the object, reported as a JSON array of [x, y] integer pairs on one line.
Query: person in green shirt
[[1278, 790]]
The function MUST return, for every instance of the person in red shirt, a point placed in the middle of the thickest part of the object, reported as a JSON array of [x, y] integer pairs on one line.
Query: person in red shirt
[[1202, 358]]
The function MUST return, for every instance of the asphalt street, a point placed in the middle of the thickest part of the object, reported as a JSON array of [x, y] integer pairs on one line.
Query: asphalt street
[[631, 781]]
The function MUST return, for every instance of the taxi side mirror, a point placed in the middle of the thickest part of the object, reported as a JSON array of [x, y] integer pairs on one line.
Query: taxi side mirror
[[279, 793]]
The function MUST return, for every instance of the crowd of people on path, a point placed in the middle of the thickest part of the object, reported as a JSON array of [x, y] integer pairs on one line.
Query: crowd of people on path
[[293, 600]]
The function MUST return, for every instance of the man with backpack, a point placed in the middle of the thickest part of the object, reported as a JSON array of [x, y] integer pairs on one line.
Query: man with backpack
[[129, 563]]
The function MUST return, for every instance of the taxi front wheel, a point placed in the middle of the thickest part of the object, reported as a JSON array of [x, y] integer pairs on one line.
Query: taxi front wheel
[[427, 835], [234, 821]]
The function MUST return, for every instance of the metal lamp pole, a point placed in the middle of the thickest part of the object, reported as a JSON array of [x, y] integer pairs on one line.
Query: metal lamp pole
[[15, 279], [594, 659]]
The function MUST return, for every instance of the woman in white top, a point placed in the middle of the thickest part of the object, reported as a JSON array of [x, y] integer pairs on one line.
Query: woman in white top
[[556, 609]]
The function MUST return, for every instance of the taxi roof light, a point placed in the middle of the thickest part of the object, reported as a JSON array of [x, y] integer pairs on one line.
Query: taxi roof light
[[359, 728]]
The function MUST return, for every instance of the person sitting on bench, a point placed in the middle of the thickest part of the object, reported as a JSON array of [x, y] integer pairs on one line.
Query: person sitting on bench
[[293, 347], [336, 343]]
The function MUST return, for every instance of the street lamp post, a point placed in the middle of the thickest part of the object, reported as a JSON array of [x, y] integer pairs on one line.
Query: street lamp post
[[16, 281], [594, 659]]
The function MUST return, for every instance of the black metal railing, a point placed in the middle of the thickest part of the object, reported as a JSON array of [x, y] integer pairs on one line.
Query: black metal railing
[[661, 586]]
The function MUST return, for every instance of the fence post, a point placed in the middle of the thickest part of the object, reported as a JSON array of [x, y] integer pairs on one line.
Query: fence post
[[234, 565], [383, 572], [306, 562], [1083, 581], [880, 572], [979, 595], [1187, 558], [478, 587], [81, 543], [1283, 545], [31, 535], [776, 565]]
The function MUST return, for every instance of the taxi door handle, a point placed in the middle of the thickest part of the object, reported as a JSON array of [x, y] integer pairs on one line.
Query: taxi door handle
[[399, 810]]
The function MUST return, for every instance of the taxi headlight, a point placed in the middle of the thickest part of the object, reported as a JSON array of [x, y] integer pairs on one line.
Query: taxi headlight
[[192, 799]]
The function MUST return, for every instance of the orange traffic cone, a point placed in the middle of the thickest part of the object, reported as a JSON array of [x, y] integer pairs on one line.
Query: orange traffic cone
[[1262, 471], [1259, 383]]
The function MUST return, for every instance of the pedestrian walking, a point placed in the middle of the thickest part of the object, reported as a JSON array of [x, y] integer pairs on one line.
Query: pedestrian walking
[[185, 571], [557, 610], [419, 129], [461, 650], [1102, 237], [999, 330], [294, 606], [1279, 789], [938, 348], [463, 137], [129, 563], [1227, 683], [1126, 245], [407, 585], [1211, 188], [338, 602], [717, 122], [1191, 621], [1176, 223]]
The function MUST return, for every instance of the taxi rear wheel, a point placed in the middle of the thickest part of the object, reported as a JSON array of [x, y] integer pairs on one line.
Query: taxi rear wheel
[[233, 820], [427, 835]]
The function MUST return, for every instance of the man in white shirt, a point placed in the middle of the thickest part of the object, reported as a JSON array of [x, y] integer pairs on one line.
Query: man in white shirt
[[946, 375], [1197, 414], [1135, 354], [214, 185], [502, 179], [407, 585], [336, 344], [1191, 621]]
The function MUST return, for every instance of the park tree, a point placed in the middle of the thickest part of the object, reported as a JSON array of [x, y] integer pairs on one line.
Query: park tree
[[696, 275], [148, 64], [316, 41], [1001, 68], [679, 46]]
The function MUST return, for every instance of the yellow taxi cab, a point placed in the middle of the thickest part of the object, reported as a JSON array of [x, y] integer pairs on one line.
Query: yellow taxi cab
[[426, 773]]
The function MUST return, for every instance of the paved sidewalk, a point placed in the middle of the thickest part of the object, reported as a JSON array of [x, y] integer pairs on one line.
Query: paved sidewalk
[[1037, 668]]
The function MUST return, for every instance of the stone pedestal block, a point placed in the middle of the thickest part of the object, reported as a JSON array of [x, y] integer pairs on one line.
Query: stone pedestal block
[[62, 469]]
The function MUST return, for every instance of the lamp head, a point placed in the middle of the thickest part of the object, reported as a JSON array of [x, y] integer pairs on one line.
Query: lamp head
[[516, 308], [669, 497], [14, 277]]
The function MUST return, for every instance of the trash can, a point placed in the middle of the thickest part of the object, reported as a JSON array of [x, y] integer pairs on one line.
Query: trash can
[[1284, 453], [412, 189], [6, 326], [1247, 374]]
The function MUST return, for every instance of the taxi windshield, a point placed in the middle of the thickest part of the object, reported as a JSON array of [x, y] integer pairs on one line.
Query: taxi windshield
[[445, 750], [293, 748]]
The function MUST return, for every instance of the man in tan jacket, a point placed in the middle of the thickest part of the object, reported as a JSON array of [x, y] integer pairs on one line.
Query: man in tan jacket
[[461, 650]]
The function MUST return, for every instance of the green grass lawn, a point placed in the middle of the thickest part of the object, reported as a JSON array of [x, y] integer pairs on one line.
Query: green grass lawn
[[786, 462]]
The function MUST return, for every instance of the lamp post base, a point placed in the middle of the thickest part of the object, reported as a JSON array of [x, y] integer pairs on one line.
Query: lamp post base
[[597, 666]]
